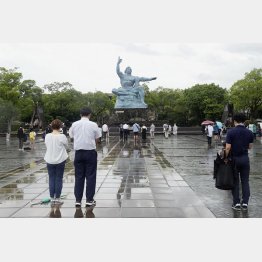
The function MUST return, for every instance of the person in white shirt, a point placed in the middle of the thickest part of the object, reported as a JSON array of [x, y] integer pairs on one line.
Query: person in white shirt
[[165, 130], [55, 158], [175, 129], [85, 134], [152, 130], [125, 129], [210, 130], [105, 130]]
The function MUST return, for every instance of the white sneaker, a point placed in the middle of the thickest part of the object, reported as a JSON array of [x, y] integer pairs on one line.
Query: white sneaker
[[58, 201]]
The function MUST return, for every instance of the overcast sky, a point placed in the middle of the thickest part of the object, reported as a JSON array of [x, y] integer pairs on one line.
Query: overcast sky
[[91, 66]]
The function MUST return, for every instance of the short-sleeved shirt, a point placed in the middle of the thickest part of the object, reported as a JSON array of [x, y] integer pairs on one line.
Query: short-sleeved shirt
[[85, 133], [239, 138], [55, 148], [136, 128]]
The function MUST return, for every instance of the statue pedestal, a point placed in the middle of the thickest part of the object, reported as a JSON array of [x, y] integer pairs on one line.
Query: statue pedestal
[[129, 115]]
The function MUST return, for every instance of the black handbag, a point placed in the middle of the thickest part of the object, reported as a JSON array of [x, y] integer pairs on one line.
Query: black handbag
[[224, 173]]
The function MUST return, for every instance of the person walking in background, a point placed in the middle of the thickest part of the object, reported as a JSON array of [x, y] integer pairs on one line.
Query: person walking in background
[[175, 129], [143, 131], [100, 134], [105, 131], [64, 129], [55, 157], [216, 132], [169, 130], [121, 131], [85, 134], [32, 136], [125, 130], [253, 129], [136, 129], [165, 130], [20, 136], [210, 131], [239, 139], [152, 130]]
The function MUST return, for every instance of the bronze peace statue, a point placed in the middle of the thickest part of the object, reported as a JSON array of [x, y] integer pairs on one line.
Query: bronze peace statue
[[130, 94]]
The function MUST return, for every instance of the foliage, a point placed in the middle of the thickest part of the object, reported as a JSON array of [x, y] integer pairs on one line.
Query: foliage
[[246, 94], [205, 101]]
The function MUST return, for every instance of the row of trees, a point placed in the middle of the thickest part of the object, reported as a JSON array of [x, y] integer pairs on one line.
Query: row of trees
[[21, 99]]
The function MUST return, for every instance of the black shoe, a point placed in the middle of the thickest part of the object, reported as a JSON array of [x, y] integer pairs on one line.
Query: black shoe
[[91, 203], [244, 206], [78, 204], [236, 207]]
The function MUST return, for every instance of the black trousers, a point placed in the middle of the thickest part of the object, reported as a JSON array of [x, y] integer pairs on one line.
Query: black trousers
[[242, 171], [85, 169], [125, 134]]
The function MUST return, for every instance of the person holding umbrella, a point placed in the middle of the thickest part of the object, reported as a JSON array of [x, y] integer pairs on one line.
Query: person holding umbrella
[[210, 131]]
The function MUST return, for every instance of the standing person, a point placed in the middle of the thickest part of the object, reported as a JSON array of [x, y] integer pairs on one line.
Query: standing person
[[85, 134], [175, 129], [143, 131], [32, 136], [121, 131], [203, 129], [239, 139], [152, 130], [48, 129], [136, 129], [100, 134], [169, 130], [216, 132], [64, 129], [125, 130], [55, 157], [255, 131], [210, 131], [105, 131], [21, 135], [165, 130]]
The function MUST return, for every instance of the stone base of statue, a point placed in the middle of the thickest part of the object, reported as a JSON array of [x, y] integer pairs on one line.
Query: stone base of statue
[[129, 115], [132, 98]]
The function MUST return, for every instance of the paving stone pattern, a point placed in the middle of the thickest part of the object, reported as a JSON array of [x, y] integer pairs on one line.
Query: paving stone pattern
[[169, 178]]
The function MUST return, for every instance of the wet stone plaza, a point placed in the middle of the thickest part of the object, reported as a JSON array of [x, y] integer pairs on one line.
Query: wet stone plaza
[[157, 178]]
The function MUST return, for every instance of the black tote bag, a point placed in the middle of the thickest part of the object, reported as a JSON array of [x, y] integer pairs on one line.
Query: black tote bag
[[224, 175]]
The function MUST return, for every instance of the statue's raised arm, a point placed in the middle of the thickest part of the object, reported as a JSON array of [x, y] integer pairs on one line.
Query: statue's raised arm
[[120, 74]]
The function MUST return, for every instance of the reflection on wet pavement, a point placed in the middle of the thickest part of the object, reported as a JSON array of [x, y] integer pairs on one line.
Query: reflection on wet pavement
[[157, 178]]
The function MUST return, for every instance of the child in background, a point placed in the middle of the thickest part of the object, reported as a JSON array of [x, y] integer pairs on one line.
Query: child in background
[[32, 136]]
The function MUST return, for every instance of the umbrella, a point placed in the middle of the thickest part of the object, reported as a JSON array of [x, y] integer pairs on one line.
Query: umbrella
[[219, 124], [207, 122]]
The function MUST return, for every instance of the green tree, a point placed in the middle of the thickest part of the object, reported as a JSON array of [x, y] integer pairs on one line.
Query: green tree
[[10, 81], [64, 104], [205, 101], [167, 104], [246, 94]]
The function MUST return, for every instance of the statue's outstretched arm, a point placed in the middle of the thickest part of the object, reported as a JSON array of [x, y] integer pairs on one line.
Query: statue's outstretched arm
[[144, 79], [120, 74]]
